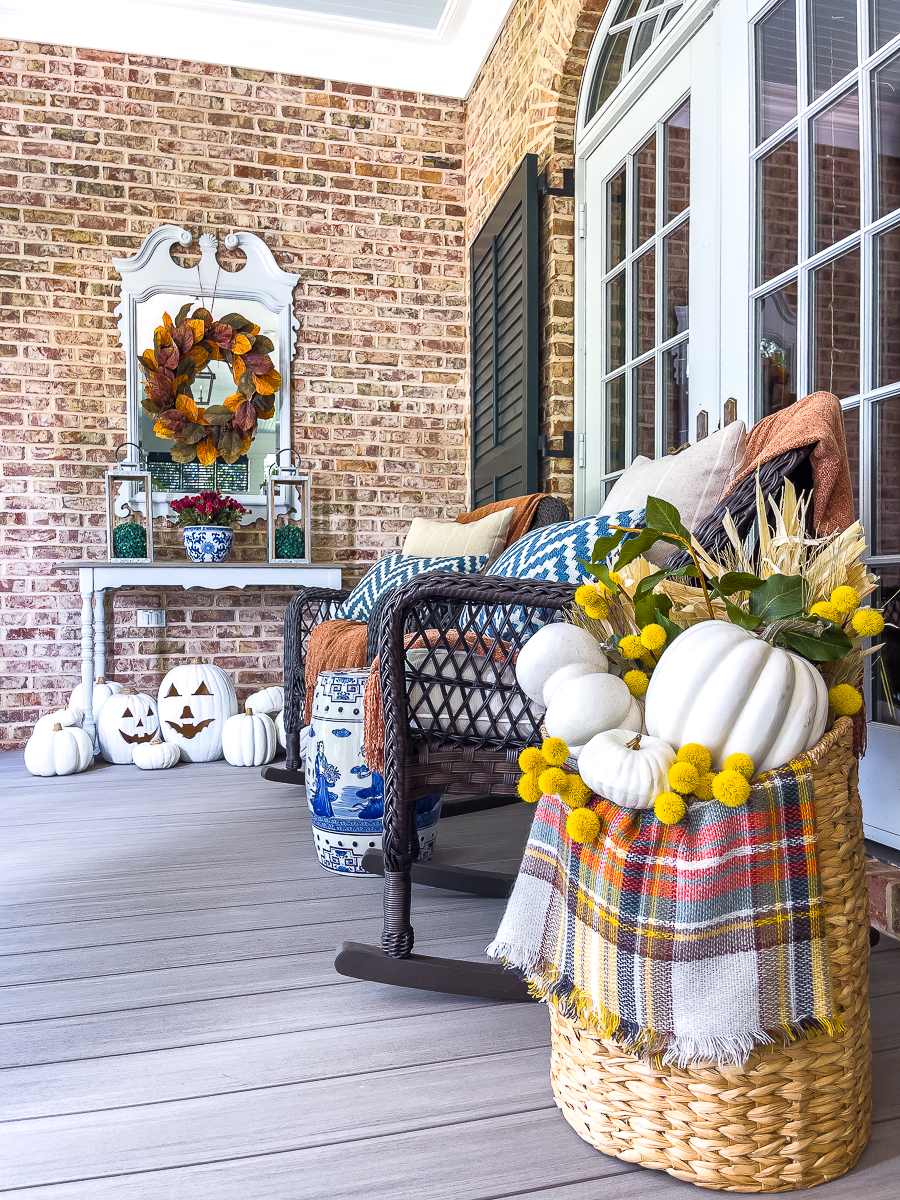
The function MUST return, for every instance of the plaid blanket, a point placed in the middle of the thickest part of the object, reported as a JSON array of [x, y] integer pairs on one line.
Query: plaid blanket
[[693, 942]]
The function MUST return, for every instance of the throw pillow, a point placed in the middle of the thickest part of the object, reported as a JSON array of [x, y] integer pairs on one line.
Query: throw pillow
[[442, 538], [695, 480], [395, 569], [552, 553]]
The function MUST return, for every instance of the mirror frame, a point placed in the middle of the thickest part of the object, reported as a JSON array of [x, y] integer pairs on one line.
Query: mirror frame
[[153, 270]]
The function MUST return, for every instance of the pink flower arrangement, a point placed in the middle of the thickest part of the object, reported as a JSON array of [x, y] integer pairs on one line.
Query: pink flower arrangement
[[207, 508]]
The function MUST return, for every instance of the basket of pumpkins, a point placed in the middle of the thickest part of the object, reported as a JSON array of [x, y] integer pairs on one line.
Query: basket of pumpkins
[[684, 695]]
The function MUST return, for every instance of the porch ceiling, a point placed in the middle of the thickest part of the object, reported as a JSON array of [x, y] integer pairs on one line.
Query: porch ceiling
[[431, 46]]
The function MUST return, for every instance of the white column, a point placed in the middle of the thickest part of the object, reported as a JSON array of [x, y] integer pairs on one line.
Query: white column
[[99, 632], [86, 587]]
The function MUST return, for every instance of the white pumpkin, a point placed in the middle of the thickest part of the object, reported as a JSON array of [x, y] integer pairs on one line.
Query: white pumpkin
[[268, 700], [727, 689], [156, 755], [194, 702], [634, 718], [280, 735], [249, 739], [63, 716], [626, 768], [555, 646], [126, 720], [583, 707], [558, 678], [58, 750], [102, 690]]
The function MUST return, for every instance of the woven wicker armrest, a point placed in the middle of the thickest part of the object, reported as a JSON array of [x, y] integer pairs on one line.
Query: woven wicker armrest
[[308, 608]]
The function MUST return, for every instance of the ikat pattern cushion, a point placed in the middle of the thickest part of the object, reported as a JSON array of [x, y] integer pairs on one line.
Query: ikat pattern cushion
[[552, 552], [395, 569]]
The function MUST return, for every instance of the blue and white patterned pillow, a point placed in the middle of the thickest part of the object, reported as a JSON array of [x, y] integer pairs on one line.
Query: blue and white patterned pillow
[[395, 569], [552, 552]]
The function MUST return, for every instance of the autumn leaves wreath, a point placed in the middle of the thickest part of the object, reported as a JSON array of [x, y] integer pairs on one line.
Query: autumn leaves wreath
[[183, 347]]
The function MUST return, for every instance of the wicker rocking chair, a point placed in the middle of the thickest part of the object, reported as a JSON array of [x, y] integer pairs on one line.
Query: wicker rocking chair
[[455, 721]]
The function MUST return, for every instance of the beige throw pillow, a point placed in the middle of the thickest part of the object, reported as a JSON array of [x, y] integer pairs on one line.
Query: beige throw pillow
[[694, 480], [445, 539]]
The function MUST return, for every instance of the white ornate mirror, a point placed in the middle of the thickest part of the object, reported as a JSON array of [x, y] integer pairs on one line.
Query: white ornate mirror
[[207, 426]]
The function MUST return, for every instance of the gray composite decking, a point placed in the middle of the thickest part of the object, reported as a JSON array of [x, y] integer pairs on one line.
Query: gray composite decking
[[172, 1026]]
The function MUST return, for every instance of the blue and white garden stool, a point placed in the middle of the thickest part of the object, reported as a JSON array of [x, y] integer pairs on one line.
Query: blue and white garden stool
[[345, 797]]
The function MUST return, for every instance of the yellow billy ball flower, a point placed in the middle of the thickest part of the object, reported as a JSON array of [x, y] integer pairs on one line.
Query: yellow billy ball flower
[[827, 611], [616, 578], [597, 608], [695, 754], [531, 759], [583, 594], [703, 790], [579, 793], [731, 788], [742, 763], [844, 699], [632, 647], [636, 682], [669, 808], [683, 778], [582, 825], [553, 781], [867, 622], [653, 637], [528, 788], [555, 751], [845, 600]]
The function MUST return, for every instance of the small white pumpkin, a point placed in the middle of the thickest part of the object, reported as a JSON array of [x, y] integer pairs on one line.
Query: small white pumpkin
[[126, 720], [583, 707], [268, 700], [280, 735], [626, 768], [156, 755], [555, 646], [103, 689], [732, 692], [58, 750], [63, 716], [194, 702], [249, 740], [563, 675], [634, 718]]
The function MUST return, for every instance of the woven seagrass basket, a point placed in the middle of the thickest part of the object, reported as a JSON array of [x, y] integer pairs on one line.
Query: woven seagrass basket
[[790, 1118]]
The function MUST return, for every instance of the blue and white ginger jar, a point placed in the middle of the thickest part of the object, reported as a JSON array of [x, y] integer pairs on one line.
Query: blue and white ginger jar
[[207, 543]]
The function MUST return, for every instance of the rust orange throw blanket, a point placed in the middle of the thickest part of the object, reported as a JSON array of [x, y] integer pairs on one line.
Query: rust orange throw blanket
[[523, 516], [814, 419], [333, 645]]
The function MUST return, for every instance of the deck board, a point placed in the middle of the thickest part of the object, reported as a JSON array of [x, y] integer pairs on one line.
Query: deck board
[[171, 1024]]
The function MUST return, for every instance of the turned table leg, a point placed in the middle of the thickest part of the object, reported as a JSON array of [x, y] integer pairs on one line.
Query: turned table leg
[[100, 633], [86, 588]]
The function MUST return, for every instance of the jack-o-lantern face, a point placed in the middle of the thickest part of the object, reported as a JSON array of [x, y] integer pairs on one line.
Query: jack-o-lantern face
[[126, 720], [194, 702]]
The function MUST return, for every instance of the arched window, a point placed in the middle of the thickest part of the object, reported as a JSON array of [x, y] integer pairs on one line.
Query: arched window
[[637, 25]]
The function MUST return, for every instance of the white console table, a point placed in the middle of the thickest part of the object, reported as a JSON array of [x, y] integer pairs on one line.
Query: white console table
[[95, 579]]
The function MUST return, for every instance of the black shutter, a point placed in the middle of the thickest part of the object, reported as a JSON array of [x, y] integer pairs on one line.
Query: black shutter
[[504, 305]]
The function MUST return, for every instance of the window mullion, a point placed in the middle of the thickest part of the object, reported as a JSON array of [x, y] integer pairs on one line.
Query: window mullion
[[868, 278], [804, 199]]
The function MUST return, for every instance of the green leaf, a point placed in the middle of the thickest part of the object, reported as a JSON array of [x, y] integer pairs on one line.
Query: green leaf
[[651, 609], [735, 581], [217, 414], [599, 571], [604, 546], [665, 517], [737, 616], [193, 433], [672, 630], [833, 643], [636, 546], [183, 312], [780, 596]]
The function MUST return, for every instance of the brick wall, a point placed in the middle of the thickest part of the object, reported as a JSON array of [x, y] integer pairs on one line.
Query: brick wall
[[523, 102], [359, 190]]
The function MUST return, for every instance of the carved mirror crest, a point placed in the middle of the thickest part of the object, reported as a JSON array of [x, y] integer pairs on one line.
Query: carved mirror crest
[[155, 290]]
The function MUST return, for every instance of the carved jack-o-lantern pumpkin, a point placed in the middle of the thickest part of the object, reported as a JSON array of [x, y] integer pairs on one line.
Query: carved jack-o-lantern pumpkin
[[126, 720], [195, 701]]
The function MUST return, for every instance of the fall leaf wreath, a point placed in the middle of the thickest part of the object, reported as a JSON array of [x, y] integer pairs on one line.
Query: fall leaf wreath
[[183, 347]]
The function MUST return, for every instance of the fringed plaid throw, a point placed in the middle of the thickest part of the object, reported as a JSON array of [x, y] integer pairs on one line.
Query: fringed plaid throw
[[694, 941]]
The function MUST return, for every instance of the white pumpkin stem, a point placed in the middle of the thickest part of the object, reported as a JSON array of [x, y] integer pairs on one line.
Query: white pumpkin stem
[[196, 662], [635, 743], [57, 728], [101, 679], [248, 711], [156, 740], [128, 691]]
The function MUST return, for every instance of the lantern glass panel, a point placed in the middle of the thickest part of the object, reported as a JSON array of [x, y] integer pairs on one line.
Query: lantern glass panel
[[288, 518], [129, 534]]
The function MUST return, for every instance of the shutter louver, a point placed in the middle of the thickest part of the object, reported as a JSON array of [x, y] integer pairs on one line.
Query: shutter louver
[[504, 307]]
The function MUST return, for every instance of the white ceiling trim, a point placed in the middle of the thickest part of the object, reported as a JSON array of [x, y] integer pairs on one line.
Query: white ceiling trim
[[442, 62]]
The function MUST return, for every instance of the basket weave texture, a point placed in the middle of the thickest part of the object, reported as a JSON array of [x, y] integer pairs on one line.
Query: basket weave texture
[[790, 1117]]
